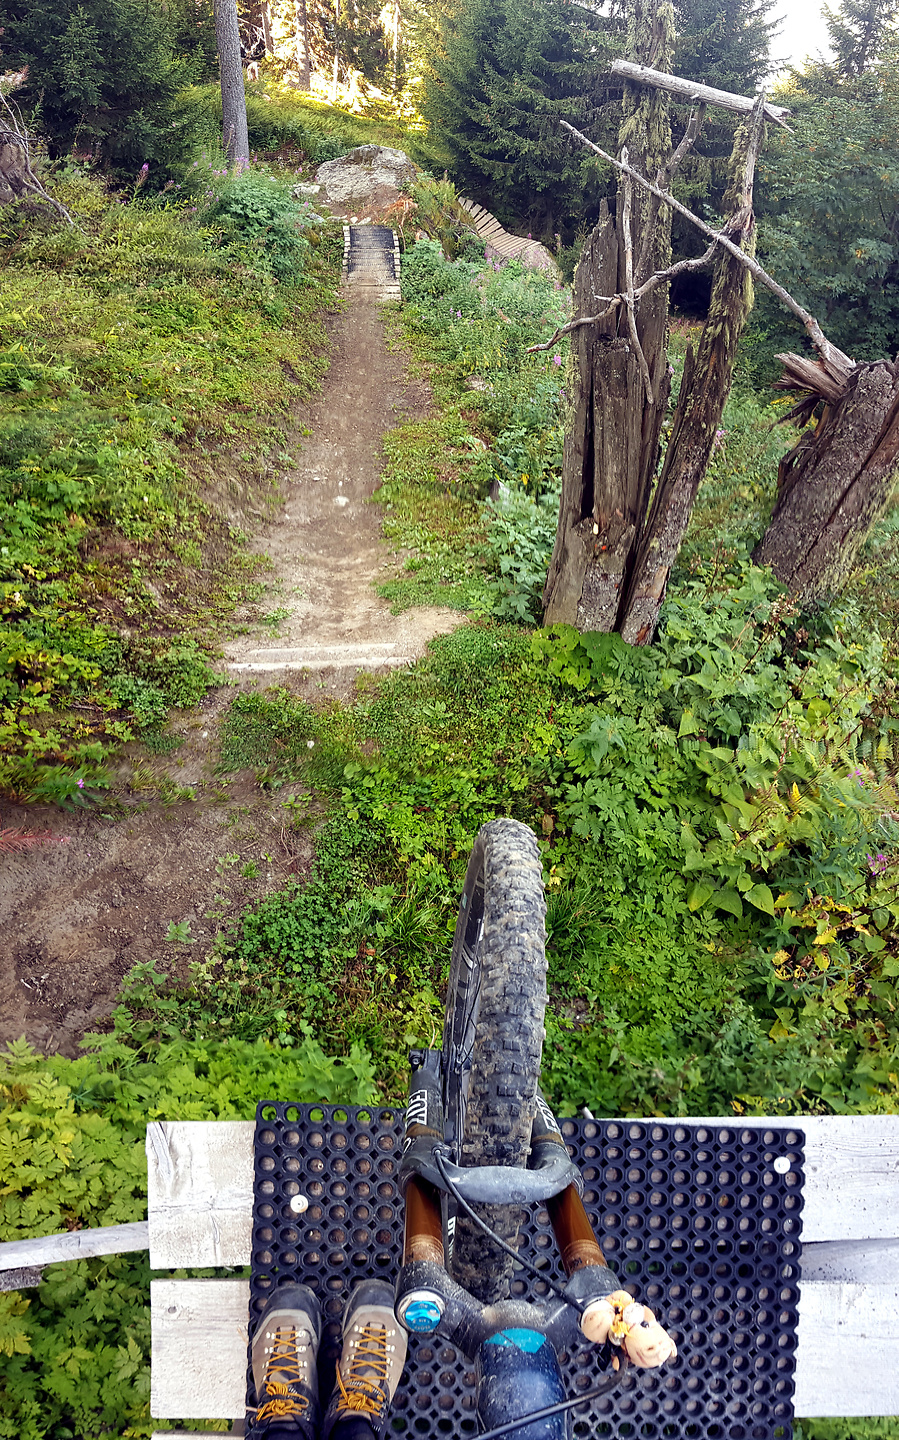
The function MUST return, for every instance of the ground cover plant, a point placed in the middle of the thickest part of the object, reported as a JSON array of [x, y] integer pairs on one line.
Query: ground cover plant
[[471, 489], [148, 359], [76, 1350], [281, 119]]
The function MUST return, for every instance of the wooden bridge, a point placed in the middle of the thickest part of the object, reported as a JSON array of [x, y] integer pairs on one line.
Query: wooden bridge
[[200, 1179]]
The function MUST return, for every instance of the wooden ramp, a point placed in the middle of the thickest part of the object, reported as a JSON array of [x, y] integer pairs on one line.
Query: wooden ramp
[[509, 247], [200, 1203]]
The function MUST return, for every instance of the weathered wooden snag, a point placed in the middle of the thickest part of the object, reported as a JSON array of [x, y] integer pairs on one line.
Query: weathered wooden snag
[[836, 481], [620, 528]]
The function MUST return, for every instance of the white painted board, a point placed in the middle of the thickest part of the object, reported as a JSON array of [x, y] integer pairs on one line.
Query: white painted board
[[847, 1362], [199, 1340], [201, 1183], [200, 1193]]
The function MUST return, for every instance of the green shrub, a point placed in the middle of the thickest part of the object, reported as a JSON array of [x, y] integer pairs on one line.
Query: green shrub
[[72, 1140], [118, 341]]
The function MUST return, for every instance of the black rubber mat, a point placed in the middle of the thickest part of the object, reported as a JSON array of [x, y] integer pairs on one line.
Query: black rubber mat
[[702, 1223]]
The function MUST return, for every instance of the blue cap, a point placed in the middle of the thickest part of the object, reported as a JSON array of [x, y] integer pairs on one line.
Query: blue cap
[[422, 1315]]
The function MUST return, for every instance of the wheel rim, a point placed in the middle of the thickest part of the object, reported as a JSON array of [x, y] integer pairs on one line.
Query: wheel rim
[[463, 1008]]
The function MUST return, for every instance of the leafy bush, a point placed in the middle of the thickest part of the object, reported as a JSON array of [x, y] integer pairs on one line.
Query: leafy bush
[[256, 216], [72, 1140], [279, 118]]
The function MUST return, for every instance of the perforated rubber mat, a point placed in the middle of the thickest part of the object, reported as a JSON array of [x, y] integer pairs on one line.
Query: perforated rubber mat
[[701, 1223]]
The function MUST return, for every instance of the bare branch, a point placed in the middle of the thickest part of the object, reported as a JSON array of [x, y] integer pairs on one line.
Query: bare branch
[[14, 133], [629, 284], [659, 278], [694, 92], [835, 358]]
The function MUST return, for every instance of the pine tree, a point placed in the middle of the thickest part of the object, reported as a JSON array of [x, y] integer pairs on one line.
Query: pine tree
[[506, 72], [859, 30], [101, 72]]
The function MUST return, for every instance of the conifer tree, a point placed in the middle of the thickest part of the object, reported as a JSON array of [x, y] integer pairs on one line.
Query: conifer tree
[[506, 72], [858, 31], [101, 72]]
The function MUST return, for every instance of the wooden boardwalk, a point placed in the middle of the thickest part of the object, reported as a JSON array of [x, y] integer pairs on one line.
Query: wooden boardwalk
[[508, 247], [201, 1184]]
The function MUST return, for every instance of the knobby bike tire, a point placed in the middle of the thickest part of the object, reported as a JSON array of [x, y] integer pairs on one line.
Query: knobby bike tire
[[493, 1034]]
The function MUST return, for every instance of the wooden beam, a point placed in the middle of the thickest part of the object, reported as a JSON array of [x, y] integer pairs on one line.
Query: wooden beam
[[852, 1261], [200, 1193], [74, 1245], [199, 1339], [847, 1361], [851, 1172], [692, 91], [205, 1193]]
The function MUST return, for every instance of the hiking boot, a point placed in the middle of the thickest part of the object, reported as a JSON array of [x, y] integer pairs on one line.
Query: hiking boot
[[371, 1361], [283, 1355]]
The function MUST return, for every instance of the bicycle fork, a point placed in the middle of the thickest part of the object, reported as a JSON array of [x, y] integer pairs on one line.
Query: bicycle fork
[[513, 1342]]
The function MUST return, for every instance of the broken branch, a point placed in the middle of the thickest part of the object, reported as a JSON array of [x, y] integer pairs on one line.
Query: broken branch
[[629, 286], [694, 92], [658, 278], [834, 357]]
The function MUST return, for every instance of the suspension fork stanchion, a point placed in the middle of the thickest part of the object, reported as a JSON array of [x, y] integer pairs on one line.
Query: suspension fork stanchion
[[591, 1280], [578, 1246]]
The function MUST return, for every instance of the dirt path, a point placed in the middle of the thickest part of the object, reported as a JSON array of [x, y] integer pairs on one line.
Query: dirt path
[[77, 915]]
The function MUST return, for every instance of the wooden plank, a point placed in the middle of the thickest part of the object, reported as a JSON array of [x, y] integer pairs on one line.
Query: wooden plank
[[200, 1190], [692, 91], [851, 1172], [847, 1361], [25, 1279], [205, 1196], [199, 1340], [73, 1245], [237, 1428], [854, 1261]]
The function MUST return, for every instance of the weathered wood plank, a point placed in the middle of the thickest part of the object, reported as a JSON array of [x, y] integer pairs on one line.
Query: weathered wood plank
[[691, 90], [237, 1428], [199, 1340], [25, 1279], [200, 1189], [73, 1245], [874, 1262], [847, 1362]]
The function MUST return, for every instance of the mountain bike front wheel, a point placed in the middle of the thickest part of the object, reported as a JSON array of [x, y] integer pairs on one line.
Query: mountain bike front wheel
[[493, 1034]]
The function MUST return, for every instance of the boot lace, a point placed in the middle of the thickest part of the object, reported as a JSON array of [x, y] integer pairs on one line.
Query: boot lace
[[283, 1363], [370, 1353]]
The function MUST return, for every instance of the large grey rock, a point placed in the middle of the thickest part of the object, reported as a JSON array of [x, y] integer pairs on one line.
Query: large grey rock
[[366, 181]]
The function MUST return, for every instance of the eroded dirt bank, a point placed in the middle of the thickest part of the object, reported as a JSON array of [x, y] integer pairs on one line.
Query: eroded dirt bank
[[75, 916]]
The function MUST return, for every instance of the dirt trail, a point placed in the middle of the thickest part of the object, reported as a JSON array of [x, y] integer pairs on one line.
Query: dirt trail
[[76, 916]]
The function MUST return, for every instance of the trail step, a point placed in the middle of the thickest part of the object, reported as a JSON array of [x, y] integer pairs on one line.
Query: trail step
[[322, 657]]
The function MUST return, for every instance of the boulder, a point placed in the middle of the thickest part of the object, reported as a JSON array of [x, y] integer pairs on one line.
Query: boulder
[[366, 182]]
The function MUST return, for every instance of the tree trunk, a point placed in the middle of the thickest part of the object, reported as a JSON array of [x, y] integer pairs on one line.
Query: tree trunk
[[235, 139], [704, 390], [397, 43], [265, 16], [13, 168], [304, 65], [621, 380], [834, 483], [335, 73]]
